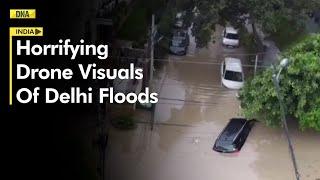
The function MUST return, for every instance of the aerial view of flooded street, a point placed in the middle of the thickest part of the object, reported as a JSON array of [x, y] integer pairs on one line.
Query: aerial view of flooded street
[[193, 108], [161, 89]]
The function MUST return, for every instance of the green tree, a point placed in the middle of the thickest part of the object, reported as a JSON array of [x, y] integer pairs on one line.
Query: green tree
[[204, 23], [167, 21], [269, 14], [168, 15], [300, 86]]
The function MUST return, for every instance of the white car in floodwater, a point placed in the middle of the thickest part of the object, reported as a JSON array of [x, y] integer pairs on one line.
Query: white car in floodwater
[[230, 37], [232, 75]]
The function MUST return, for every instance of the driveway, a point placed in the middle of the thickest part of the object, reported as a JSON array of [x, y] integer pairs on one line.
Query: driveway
[[192, 111]]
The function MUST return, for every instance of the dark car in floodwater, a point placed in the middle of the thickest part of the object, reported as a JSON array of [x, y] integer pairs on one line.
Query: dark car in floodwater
[[179, 43], [234, 135], [178, 47]]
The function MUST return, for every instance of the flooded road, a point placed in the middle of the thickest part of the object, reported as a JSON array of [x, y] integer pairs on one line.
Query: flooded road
[[192, 111]]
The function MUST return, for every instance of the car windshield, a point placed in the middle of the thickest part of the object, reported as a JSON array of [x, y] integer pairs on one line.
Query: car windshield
[[232, 36], [233, 76], [178, 34], [178, 38], [226, 147], [176, 48], [178, 43], [229, 147]]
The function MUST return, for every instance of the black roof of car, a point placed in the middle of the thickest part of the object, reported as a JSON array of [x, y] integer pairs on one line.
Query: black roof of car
[[226, 139], [232, 129]]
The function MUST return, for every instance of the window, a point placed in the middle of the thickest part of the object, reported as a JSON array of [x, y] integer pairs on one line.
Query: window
[[232, 36], [233, 76]]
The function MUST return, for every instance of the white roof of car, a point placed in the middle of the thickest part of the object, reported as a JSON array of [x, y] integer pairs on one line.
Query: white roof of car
[[233, 64], [180, 14], [231, 30]]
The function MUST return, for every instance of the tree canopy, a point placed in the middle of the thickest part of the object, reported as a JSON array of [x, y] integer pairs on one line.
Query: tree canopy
[[269, 14], [300, 87]]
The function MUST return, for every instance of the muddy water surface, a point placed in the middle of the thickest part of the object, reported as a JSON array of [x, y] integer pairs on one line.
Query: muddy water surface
[[192, 111]]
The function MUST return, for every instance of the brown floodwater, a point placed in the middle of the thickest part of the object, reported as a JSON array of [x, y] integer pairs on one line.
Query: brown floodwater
[[192, 111]]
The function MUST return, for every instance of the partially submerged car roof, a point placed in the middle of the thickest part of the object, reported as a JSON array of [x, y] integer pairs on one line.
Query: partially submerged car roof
[[232, 129], [228, 141], [233, 64], [231, 30]]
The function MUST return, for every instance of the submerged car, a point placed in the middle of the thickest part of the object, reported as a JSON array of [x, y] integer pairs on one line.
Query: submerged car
[[181, 35], [232, 75], [179, 23], [179, 43], [233, 135], [178, 48], [230, 37]]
